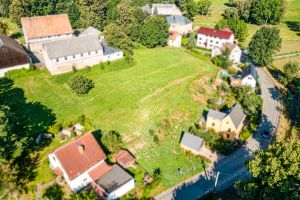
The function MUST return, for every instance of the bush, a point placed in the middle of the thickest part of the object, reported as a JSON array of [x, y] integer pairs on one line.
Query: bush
[[80, 84], [112, 140]]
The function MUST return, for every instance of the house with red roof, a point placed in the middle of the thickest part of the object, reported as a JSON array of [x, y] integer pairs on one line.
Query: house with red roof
[[174, 39], [212, 38], [82, 163]]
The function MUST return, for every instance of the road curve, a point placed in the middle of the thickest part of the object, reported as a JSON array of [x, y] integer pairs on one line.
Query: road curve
[[232, 167]]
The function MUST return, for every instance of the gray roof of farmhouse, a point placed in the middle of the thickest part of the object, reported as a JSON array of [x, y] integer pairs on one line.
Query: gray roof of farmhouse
[[90, 31], [237, 115], [249, 71], [114, 179], [181, 20], [192, 141], [72, 46], [108, 49]]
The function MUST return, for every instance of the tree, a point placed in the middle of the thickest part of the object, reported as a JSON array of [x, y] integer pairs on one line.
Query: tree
[[191, 9], [116, 37], [84, 195], [54, 192], [267, 11], [157, 174], [3, 27], [18, 9], [72, 9], [243, 8], [223, 60], [291, 70], [112, 140], [252, 104], [80, 84], [11, 145], [265, 42], [4, 8], [239, 27], [204, 6], [93, 13], [155, 31], [275, 173]]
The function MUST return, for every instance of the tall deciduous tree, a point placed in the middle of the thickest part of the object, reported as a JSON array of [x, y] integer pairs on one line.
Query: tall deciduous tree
[[155, 31], [204, 6], [239, 27], [116, 37], [265, 42], [18, 9], [11, 146], [112, 141], [4, 8], [267, 11], [3, 27], [291, 70], [275, 173]]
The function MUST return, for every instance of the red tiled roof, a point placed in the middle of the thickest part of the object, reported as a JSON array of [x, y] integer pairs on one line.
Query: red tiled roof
[[223, 33], [124, 158], [43, 26], [99, 171], [79, 155]]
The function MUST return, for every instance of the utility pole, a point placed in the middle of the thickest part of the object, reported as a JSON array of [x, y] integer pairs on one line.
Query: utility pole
[[216, 181]]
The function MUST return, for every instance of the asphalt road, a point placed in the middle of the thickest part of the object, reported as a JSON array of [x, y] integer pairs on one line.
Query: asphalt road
[[232, 167]]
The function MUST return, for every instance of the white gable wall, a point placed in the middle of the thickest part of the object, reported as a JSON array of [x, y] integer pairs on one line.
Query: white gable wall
[[4, 70], [122, 190], [210, 42], [249, 81]]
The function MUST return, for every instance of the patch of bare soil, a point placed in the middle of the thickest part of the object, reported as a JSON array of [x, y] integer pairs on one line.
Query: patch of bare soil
[[201, 89]]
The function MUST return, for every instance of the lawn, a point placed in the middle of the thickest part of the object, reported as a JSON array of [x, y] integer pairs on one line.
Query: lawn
[[163, 89], [281, 62]]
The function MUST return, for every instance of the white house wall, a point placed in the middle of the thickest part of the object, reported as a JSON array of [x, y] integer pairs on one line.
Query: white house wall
[[77, 183], [4, 70], [122, 190], [249, 81], [211, 42], [79, 61]]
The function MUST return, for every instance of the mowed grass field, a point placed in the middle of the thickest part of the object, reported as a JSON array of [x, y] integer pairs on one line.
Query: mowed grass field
[[161, 85]]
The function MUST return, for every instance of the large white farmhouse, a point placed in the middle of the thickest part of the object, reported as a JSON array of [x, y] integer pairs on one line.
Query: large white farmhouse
[[40, 29], [77, 52], [211, 38], [82, 162]]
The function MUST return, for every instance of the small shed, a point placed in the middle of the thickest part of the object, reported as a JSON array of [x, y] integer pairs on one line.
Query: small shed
[[125, 159], [191, 143]]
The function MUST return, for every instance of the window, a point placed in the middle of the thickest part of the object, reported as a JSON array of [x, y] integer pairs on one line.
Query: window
[[66, 58], [89, 53], [81, 54], [74, 56], [211, 41], [57, 60], [217, 42], [229, 130], [213, 124]]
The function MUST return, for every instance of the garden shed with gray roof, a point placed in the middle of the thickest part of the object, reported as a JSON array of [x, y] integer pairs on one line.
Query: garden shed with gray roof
[[191, 142]]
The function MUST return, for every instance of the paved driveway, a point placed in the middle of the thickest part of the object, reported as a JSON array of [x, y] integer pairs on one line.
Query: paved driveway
[[232, 167]]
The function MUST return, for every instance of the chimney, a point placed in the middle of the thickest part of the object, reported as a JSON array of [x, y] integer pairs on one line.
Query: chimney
[[80, 148]]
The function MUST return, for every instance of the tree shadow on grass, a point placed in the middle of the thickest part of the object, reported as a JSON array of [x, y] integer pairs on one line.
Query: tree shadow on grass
[[293, 26], [28, 120]]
